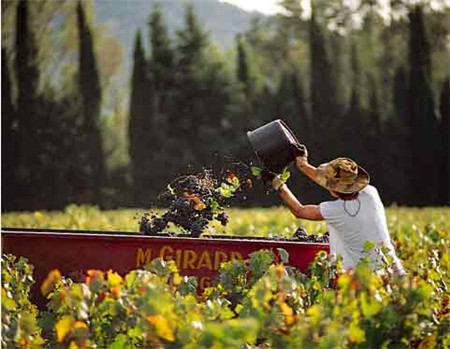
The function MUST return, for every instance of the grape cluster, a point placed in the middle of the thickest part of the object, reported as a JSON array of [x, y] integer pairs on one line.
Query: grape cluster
[[303, 236], [222, 218], [191, 207]]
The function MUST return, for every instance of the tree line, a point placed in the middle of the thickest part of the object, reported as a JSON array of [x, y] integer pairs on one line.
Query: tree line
[[377, 92]]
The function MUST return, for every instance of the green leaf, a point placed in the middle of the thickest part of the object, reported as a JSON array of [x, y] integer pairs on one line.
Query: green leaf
[[213, 203], [285, 175], [284, 255], [385, 250], [226, 190], [260, 261], [256, 171], [369, 305], [119, 342], [135, 332], [8, 303], [368, 246]]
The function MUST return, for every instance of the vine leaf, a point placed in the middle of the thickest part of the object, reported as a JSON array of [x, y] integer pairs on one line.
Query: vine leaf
[[256, 171], [285, 175], [284, 255]]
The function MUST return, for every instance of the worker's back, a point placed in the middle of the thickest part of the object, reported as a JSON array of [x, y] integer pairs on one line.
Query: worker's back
[[353, 222]]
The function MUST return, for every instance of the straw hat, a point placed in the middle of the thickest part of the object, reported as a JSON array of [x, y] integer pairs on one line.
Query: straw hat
[[342, 175]]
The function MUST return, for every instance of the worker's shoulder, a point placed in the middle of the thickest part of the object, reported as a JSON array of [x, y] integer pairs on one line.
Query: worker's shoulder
[[370, 190], [329, 208], [370, 193]]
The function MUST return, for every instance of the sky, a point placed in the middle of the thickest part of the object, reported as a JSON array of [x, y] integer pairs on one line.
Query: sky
[[268, 7]]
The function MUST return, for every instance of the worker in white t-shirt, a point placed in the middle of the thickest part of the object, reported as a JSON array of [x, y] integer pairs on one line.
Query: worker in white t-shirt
[[356, 214]]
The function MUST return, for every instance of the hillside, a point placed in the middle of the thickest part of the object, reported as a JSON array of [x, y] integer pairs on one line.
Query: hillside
[[222, 20]]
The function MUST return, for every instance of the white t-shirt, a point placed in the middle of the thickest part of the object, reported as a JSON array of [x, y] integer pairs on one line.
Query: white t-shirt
[[353, 222]]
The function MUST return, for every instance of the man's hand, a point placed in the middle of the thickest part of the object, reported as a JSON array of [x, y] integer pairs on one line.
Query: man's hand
[[277, 183], [267, 176], [301, 162], [301, 159]]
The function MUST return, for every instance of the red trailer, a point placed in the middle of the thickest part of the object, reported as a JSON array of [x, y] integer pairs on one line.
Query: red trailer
[[75, 252]]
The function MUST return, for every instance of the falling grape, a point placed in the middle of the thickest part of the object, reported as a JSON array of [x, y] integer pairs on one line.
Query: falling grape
[[194, 204]]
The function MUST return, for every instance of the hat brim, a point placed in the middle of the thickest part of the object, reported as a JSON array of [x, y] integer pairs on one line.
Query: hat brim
[[359, 183]]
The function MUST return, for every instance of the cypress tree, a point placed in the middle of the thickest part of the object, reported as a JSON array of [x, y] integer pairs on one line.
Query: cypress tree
[[245, 120], [397, 134], [352, 125], [324, 106], [372, 134], [27, 72], [355, 99], [163, 92], [291, 105], [199, 104], [305, 128], [140, 125], [9, 137], [27, 79], [9, 122], [400, 95], [243, 68], [162, 58], [192, 42], [444, 109], [91, 96], [422, 116]]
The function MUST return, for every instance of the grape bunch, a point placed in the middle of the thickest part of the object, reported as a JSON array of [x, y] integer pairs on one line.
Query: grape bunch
[[303, 236], [194, 204]]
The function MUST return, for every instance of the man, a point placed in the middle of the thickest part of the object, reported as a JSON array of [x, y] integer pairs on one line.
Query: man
[[356, 214]]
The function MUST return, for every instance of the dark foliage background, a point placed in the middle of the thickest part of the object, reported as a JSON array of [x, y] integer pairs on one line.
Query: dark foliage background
[[355, 81]]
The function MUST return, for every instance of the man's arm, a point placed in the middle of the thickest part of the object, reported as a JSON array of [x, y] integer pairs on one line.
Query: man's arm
[[310, 212], [306, 168]]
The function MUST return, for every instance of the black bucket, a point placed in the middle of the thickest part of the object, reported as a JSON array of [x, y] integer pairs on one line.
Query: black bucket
[[274, 145]]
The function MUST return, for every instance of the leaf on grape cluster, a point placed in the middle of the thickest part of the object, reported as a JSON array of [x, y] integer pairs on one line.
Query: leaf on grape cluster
[[256, 171], [285, 175], [198, 203]]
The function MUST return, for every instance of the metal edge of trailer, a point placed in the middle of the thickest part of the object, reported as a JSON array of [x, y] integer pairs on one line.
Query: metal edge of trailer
[[124, 235]]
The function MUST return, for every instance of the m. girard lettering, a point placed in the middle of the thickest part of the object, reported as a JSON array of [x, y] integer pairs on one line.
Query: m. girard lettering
[[187, 259]]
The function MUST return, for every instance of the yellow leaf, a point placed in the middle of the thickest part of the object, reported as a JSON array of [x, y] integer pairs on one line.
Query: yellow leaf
[[288, 313], [177, 279], [63, 327], [233, 180], [114, 278], [314, 314], [279, 271], [356, 334], [80, 324], [200, 206], [162, 327], [50, 281]]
